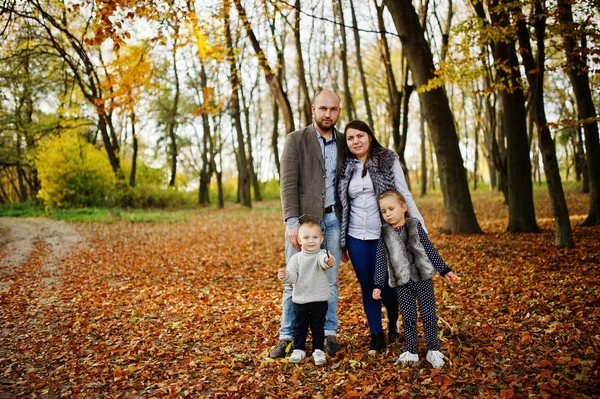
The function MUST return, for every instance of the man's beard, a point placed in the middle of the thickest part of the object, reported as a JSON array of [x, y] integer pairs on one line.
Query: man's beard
[[326, 127]]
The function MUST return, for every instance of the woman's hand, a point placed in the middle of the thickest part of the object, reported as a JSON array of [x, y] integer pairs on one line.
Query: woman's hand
[[345, 256], [377, 294]]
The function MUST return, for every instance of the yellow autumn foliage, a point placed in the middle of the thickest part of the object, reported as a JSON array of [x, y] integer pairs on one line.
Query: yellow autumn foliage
[[73, 173]]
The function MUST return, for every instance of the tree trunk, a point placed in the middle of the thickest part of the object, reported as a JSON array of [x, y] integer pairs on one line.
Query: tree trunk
[[585, 187], [172, 122], [4, 197], [535, 76], [272, 80], [275, 139], [348, 102], [216, 147], [489, 129], [306, 100], [495, 114], [394, 95], [279, 72], [432, 175], [206, 170], [520, 185], [577, 71], [20, 172], [134, 156], [361, 71], [242, 159], [407, 91], [460, 215], [476, 160], [423, 156], [112, 155], [251, 167]]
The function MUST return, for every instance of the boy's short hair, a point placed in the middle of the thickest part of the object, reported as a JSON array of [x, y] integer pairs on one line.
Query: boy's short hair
[[311, 223]]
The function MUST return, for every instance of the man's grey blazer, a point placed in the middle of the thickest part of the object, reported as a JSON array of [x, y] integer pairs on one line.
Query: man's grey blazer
[[302, 181]]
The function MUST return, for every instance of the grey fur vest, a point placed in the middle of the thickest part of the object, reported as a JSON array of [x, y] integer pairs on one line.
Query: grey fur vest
[[379, 167], [406, 256]]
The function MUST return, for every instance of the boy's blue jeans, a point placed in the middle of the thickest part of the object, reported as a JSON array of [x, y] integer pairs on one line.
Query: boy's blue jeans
[[332, 236]]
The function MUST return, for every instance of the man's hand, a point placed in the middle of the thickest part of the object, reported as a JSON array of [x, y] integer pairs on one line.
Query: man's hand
[[293, 237], [377, 294], [330, 260]]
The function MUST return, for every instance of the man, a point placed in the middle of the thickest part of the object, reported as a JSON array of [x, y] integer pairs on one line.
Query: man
[[310, 163]]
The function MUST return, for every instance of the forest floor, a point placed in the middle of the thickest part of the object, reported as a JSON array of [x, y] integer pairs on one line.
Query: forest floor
[[191, 309]]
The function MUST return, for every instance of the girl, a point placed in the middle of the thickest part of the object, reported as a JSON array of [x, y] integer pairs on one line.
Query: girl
[[407, 260]]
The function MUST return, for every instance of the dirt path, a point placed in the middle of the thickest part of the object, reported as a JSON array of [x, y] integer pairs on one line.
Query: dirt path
[[19, 237], [17, 241]]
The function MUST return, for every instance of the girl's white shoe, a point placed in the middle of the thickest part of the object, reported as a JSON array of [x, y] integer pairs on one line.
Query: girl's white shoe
[[407, 357], [436, 358]]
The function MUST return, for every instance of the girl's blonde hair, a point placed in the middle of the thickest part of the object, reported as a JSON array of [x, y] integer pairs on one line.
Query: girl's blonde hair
[[396, 194]]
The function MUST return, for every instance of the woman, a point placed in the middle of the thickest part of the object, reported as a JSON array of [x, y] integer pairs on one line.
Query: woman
[[368, 170]]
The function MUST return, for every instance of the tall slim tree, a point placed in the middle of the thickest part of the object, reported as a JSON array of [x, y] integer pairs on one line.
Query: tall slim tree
[[244, 180], [279, 69], [578, 73], [361, 70], [173, 115], [348, 104], [77, 54], [521, 210], [305, 96], [272, 80], [394, 95], [535, 68], [246, 102], [460, 215]]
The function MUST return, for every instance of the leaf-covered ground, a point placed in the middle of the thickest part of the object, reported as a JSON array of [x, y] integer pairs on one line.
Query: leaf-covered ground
[[190, 309]]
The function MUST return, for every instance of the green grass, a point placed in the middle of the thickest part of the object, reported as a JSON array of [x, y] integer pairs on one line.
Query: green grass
[[102, 215], [23, 210], [105, 215], [110, 215]]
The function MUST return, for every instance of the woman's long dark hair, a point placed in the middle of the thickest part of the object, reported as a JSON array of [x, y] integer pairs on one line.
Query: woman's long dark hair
[[365, 128]]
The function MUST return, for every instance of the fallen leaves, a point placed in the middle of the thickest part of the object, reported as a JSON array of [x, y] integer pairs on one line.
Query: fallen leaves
[[191, 310]]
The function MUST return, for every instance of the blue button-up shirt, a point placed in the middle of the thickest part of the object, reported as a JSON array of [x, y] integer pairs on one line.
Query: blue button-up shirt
[[329, 151]]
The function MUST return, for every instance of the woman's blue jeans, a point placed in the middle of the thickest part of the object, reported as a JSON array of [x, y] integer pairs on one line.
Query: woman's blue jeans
[[363, 256]]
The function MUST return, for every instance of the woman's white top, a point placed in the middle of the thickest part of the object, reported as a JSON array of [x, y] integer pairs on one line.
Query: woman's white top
[[365, 220]]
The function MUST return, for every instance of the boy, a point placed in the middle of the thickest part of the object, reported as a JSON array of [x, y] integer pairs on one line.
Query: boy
[[306, 270]]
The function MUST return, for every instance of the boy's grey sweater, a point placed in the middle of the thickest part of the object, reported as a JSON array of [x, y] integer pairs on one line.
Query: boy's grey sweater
[[307, 272]]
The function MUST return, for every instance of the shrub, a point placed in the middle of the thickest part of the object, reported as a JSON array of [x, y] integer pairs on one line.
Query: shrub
[[73, 173], [152, 196]]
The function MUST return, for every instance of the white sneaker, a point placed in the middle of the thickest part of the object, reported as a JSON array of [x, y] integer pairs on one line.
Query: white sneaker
[[319, 357], [297, 356], [407, 357], [436, 358]]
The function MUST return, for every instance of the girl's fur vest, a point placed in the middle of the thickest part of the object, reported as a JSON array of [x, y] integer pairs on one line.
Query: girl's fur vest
[[406, 256]]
